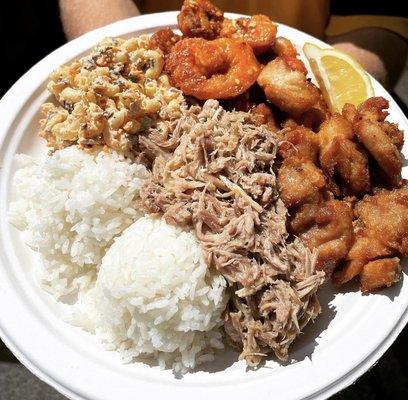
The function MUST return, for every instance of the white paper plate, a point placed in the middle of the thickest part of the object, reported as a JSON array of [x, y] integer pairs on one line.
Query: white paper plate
[[349, 337]]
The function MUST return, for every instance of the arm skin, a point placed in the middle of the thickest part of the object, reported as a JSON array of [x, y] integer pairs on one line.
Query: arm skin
[[81, 16]]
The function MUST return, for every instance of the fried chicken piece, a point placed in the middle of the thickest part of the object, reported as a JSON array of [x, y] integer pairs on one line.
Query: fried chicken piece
[[285, 84], [300, 182], [372, 109], [367, 248], [363, 249], [380, 273], [384, 217], [164, 39], [262, 115], [311, 119], [381, 231], [328, 228], [284, 49], [381, 147], [322, 224], [200, 18], [340, 155], [287, 88], [299, 179], [302, 218], [382, 139], [300, 142], [315, 116], [395, 134], [348, 271]]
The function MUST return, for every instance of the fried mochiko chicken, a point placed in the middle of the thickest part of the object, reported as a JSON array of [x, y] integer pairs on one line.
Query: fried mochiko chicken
[[380, 273], [300, 181], [340, 155], [322, 224], [381, 233], [382, 139], [326, 227], [287, 88], [262, 115]]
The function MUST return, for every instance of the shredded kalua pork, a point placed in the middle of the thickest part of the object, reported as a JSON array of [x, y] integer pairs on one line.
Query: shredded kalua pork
[[213, 172]]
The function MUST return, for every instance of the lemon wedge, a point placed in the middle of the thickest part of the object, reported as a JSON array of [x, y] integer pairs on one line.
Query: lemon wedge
[[341, 78]]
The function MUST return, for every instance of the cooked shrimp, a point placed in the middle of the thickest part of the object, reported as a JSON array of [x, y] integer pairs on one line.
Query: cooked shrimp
[[200, 18], [285, 49], [217, 69], [164, 39], [258, 31]]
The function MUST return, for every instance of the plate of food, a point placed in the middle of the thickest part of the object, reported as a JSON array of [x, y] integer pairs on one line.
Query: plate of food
[[201, 204]]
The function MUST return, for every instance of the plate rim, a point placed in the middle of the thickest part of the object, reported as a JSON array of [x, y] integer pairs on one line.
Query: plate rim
[[65, 53]]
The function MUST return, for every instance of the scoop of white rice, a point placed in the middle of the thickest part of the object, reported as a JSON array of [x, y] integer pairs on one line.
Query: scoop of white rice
[[70, 206], [155, 296]]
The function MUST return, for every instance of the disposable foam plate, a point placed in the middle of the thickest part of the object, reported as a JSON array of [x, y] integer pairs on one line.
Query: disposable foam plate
[[351, 334]]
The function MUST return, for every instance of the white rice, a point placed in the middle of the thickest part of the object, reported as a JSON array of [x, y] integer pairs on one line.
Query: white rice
[[70, 206], [155, 296], [146, 293]]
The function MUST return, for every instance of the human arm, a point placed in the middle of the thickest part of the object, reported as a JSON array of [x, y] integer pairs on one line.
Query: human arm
[[81, 16]]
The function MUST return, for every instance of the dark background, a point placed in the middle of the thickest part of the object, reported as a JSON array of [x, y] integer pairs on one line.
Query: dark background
[[29, 30]]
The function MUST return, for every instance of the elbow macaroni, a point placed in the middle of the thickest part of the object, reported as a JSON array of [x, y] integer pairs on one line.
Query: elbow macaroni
[[104, 98]]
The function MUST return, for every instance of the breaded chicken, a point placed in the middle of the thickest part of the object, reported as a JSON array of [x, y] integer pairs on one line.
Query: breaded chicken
[[380, 273], [382, 139], [284, 49], [372, 109], [328, 228], [299, 179], [381, 231], [315, 116], [287, 88], [300, 182], [395, 134], [263, 115], [384, 218], [301, 143], [341, 156], [381, 147], [322, 224]]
